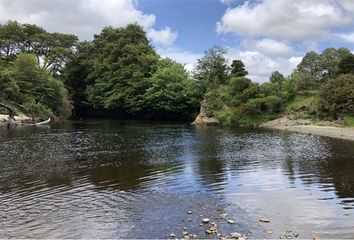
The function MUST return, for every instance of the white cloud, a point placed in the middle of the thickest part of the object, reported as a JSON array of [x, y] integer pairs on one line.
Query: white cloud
[[285, 19], [226, 1], [82, 17], [260, 66], [347, 37], [269, 47], [164, 36], [181, 56], [348, 5]]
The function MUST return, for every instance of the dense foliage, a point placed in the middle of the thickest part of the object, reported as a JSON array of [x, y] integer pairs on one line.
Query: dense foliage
[[119, 73]]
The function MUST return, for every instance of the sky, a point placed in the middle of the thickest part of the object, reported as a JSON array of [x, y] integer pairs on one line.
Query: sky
[[267, 35]]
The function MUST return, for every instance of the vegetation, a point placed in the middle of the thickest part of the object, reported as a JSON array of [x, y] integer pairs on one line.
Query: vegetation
[[46, 74]]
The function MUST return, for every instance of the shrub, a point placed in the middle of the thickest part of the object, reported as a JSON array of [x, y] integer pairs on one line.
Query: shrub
[[337, 95]]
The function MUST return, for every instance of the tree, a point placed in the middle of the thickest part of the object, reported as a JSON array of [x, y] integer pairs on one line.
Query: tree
[[169, 91], [75, 77], [311, 63], [305, 82], [346, 65], [238, 69], [52, 50], [122, 64], [211, 70], [337, 95], [322, 66], [277, 77]]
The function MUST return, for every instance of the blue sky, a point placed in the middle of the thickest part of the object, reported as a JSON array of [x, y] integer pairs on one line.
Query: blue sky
[[267, 35]]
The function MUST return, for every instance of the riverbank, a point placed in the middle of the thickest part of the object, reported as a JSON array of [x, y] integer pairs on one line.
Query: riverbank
[[301, 126], [20, 120]]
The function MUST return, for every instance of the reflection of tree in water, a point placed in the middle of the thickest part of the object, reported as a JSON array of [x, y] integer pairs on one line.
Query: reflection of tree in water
[[207, 149], [324, 162]]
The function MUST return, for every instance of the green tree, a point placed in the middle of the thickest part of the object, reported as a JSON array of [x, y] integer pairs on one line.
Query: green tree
[[212, 69], [337, 95], [169, 91], [238, 69], [122, 64], [346, 65], [52, 50], [277, 77]]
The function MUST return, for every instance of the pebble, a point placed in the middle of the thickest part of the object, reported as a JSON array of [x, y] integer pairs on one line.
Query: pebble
[[205, 220], [223, 215], [231, 221], [189, 219], [208, 231], [269, 231], [264, 220], [189, 212], [315, 238], [214, 224], [184, 233], [172, 235], [236, 235]]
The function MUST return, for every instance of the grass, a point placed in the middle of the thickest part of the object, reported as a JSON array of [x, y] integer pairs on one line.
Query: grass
[[349, 121], [306, 102]]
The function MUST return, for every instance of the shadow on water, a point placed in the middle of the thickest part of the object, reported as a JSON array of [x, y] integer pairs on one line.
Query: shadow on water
[[122, 179]]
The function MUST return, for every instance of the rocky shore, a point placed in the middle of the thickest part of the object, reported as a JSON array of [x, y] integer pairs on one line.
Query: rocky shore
[[302, 126], [21, 120]]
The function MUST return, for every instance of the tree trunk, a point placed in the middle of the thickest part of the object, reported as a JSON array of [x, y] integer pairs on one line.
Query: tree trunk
[[11, 110]]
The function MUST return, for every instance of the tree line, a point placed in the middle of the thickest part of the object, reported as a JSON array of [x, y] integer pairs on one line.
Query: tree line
[[119, 73]]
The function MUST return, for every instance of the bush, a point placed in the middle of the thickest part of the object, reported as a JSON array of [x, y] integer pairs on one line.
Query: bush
[[337, 95], [270, 104]]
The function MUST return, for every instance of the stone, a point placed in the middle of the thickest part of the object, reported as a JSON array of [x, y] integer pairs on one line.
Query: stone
[[172, 235], [184, 233], [236, 235], [189, 219], [214, 224], [205, 116], [315, 238], [223, 215], [269, 231], [264, 220], [231, 221], [189, 212], [205, 220], [208, 231]]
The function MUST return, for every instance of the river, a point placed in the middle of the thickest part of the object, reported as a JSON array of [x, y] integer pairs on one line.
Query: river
[[113, 179]]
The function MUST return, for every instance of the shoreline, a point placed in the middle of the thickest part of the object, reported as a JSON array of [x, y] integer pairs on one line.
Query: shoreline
[[20, 120], [286, 124]]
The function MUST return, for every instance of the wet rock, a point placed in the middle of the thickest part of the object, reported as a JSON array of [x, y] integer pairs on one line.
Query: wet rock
[[264, 220], [231, 221], [205, 220], [236, 235]]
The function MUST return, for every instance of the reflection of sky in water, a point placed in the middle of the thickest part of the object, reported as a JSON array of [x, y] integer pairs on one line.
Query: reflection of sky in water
[[57, 178]]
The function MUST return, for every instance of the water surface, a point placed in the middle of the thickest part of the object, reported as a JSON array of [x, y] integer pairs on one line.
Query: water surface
[[110, 179]]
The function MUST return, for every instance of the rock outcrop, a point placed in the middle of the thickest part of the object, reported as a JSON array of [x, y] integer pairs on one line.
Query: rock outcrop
[[205, 116]]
